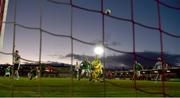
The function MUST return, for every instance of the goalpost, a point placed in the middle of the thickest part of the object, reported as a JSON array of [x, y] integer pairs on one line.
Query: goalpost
[[3, 15]]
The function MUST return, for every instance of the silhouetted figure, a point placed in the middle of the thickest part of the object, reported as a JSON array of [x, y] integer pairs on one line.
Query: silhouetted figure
[[16, 62], [158, 66]]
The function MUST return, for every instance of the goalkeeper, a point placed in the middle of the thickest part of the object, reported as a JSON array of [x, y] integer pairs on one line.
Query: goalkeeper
[[97, 69]]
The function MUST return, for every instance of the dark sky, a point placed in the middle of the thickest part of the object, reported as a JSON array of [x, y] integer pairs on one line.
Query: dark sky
[[87, 27]]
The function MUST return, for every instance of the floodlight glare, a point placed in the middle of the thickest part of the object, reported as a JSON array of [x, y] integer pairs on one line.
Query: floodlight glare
[[98, 50]]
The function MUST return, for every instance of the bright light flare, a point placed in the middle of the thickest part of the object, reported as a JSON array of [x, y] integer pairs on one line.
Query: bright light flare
[[98, 50], [168, 71]]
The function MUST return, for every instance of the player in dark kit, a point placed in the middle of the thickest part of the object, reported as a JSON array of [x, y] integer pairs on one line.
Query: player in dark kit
[[16, 61], [34, 73]]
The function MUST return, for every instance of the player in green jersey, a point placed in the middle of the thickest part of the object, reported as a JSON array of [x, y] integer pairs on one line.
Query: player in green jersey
[[137, 70], [8, 71]]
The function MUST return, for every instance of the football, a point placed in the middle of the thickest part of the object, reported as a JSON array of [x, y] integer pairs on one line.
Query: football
[[108, 11]]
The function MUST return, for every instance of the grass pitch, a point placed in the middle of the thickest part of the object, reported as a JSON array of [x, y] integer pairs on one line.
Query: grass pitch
[[67, 87]]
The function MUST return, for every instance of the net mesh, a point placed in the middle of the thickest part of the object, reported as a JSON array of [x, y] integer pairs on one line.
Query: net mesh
[[129, 43]]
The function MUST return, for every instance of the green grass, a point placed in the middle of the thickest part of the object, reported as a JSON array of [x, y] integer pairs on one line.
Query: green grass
[[66, 87]]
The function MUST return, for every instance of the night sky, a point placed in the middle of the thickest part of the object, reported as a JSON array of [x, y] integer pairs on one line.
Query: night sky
[[87, 27]]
